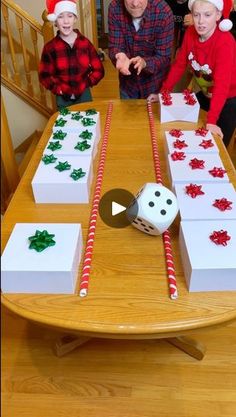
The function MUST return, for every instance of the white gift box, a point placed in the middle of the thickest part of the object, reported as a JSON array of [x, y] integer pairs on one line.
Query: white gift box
[[76, 126], [201, 207], [69, 143], [179, 110], [51, 186], [192, 141], [182, 172], [208, 266], [54, 270]]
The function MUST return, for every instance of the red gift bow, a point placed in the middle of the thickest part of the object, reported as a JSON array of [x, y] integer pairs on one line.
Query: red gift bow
[[197, 163], [189, 98], [187, 92], [176, 133], [220, 237], [201, 131], [217, 172], [178, 156], [223, 204], [206, 143], [166, 98], [180, 144], [194, 190]]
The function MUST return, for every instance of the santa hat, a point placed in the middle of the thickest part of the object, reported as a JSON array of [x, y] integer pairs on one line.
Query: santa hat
[[56, 7], [224, 6]]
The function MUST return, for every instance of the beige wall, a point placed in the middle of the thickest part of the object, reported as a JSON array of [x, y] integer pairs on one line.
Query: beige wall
[[33, 7], [23, 120]]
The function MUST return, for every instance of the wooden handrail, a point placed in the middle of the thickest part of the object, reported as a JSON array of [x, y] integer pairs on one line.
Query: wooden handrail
[[21, 56], [23, 14]]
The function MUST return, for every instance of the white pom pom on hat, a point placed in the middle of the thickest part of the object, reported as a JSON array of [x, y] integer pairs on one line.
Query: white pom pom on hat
[[56, 7], [224, 6]]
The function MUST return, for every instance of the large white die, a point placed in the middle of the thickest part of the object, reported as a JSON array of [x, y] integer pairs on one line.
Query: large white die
[[157, 209], [208, 266], [54, 270], [179, 110], [51, 186]]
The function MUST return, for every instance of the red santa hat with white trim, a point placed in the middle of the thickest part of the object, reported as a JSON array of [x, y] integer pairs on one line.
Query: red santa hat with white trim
[[225, 7], [56, 7]]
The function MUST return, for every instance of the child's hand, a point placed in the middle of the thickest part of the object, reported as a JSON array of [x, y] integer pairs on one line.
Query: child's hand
[[139, 63], [122, 63], [153, 98], [216, 130], [188, 20]]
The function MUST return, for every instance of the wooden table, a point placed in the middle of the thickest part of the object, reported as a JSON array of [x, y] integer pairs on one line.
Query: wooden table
[[128, 292]]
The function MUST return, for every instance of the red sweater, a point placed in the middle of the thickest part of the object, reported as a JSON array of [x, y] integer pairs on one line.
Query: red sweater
[[213, 64]]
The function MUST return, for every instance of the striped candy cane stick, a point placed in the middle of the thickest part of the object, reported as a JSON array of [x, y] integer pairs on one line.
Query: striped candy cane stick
[[84, 281], [166, 235]]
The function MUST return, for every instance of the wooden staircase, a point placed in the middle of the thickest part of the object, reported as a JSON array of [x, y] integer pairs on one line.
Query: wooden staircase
[[22, 42]]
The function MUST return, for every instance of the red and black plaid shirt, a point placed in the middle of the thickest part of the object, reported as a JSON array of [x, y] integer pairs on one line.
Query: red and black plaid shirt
[[70, 70], [153, 41]]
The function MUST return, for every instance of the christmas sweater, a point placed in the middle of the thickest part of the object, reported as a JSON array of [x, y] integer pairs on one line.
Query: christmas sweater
[[213, 64]]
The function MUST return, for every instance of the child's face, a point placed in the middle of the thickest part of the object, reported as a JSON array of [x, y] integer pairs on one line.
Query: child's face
[[65, 23], [205, 16]]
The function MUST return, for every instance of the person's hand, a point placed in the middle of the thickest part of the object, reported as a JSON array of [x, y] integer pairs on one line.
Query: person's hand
[[122, 63], [139, 63], [152, 98], [216, 130], [188, 20]]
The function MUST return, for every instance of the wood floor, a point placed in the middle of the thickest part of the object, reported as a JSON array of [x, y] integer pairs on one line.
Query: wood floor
[[109, 378]]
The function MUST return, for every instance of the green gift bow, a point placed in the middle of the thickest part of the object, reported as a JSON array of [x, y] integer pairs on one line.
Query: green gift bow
[[41, 240], [82, 146], [64, 111], [77, 174], [63, 166], [49, 159], [86, 135], [76, 116], [90, 112], [54, 145], [60, 122], [87, 121], [59, 135]]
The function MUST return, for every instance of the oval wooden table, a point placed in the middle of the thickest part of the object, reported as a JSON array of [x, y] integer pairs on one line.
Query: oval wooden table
[[128, 292]]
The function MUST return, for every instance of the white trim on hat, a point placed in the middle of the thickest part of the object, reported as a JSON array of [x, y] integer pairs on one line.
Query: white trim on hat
[[219, 4], [60, 7]]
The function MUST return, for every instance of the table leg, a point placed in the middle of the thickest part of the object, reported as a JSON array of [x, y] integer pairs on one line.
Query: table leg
[[190, 346], [65, 344]]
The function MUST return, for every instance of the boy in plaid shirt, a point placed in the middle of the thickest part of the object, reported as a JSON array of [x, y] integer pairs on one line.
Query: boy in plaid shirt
[[69, 64]]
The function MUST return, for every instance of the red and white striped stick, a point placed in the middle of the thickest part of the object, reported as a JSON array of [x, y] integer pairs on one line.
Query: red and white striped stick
[[84, 281], [166, 235]]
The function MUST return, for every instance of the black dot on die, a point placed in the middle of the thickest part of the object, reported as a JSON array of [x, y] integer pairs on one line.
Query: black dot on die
[[146, 230], [169, 201], [151, 204], [163, 212], [157, 193]]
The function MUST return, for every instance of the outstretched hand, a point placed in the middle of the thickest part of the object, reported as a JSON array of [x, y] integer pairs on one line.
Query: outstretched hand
[[152, 98], [216, 130], [139, 63], [123, 63]]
